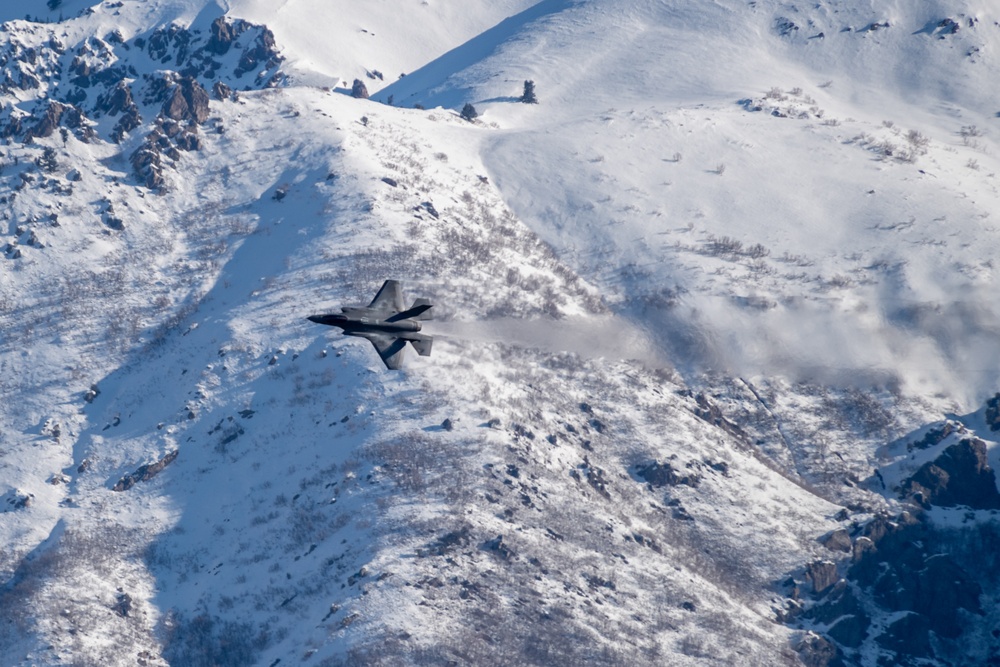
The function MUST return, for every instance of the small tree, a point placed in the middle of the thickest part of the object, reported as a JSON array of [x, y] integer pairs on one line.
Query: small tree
[[48, 160], [528, 97], [469, 112]]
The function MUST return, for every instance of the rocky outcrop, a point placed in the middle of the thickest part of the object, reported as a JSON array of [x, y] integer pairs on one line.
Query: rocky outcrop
[[816, 651], [658, 475], [261, 54], [838, 540], [224, 34], [924, 579], [822, 574], [960, 476], [145, 472], [188, 101]]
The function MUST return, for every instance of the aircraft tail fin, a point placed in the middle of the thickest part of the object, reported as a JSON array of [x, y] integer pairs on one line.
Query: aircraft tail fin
[[422, 345], [425, 314], [417, 312]]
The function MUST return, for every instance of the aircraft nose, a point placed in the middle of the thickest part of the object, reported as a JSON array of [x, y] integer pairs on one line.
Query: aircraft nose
[[318, 319]]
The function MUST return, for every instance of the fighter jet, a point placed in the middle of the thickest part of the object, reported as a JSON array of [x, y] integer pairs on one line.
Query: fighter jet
[[385, 323]]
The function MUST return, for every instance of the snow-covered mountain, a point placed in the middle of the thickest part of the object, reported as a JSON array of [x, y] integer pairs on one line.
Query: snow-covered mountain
[[715, 359]]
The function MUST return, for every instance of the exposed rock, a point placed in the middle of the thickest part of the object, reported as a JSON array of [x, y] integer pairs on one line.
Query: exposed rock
[[16, 499], [862, 546], [359, 90], [188, 101], [993, 413], [128, 122], [49, 121], [659, 475], [960, 476], [148, 165], [822, 574], [711, 413], [906, 574], [838, 540], [221, 91], [499, 548], [263, 52], [816, 651], [844, 613], [117, 100], [188, 141], [936, 436], [145, 472], [223, 35]]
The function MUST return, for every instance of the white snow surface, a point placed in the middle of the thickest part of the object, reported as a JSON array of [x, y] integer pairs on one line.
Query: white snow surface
[[799, 226]]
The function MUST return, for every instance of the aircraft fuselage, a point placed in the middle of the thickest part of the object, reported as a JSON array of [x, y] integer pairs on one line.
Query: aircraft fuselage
[[355, 320]]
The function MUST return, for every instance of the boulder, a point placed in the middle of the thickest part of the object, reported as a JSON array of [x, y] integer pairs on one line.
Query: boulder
[[822, 574], [862, 547], [359, 90], [816, 651], [837, 540]]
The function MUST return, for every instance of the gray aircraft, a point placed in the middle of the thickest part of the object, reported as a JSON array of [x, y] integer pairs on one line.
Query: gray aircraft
[[385, 323]]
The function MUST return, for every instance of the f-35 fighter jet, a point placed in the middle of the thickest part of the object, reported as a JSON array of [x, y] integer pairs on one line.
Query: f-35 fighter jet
[[385, 323]]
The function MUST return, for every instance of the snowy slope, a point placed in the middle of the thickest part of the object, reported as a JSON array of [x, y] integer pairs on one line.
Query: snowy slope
[[682, 305]]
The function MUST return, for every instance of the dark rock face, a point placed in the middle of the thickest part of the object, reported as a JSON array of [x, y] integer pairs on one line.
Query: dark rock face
[[903, 576], [960, 476], [145, 472], [189, 101], [223, 36], [993, 413], [844, 613], [908, 636], [926, 578], [54, 114], [822, 574]]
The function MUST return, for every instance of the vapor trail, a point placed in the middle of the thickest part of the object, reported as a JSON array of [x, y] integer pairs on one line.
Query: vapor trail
[[592, 337]]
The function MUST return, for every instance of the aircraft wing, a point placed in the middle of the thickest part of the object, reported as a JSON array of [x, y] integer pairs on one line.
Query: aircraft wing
[[389, 299], [389, 348]]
